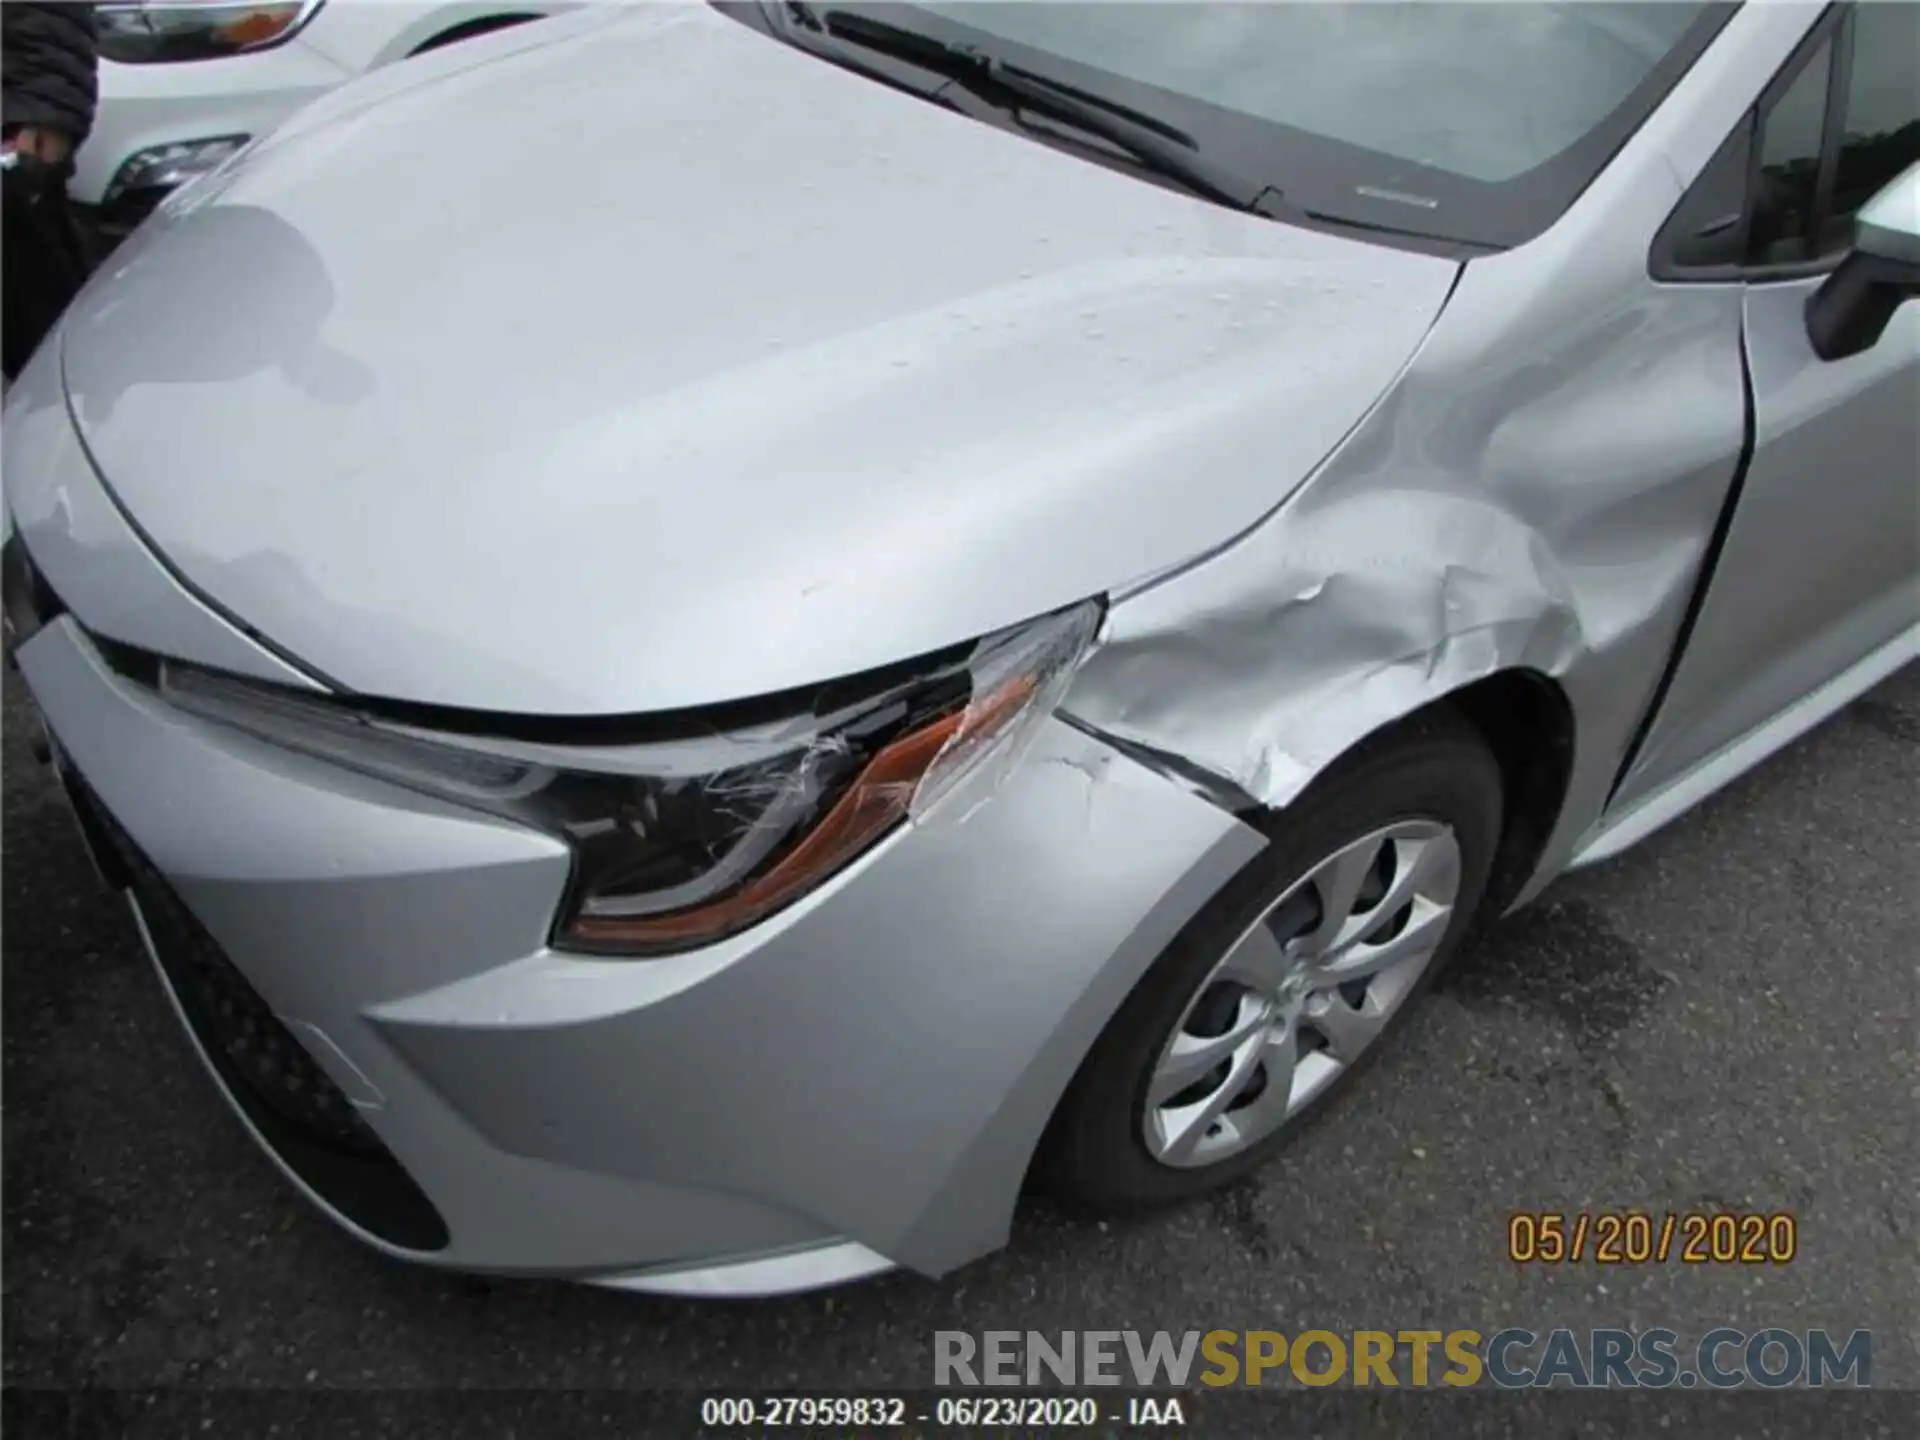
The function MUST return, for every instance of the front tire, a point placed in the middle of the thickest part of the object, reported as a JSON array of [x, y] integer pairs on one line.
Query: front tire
[[1278, 992]]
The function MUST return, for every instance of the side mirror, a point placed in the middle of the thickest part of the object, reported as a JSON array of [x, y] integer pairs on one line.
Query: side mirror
[[1851, 310]]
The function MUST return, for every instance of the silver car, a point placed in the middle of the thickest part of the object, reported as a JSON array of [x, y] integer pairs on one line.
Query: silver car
[[708, 639]]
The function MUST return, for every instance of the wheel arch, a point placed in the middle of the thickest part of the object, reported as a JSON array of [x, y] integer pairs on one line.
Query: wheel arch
[[1524, 716], [1528, 723], [1526, 720]]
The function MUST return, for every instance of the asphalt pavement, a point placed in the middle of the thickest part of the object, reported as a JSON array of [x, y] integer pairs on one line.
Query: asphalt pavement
[[1724, 1018]]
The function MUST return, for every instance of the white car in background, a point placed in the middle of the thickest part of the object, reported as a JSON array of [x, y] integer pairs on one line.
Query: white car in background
[[185, 83]]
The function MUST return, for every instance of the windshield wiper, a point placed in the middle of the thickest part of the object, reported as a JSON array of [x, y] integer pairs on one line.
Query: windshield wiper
[[1151, 143]]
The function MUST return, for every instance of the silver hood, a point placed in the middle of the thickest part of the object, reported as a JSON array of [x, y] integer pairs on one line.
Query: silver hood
[[645, 362]]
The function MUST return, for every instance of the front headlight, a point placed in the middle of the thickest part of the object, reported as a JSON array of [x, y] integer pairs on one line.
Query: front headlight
[[155, 32], [684, 839]]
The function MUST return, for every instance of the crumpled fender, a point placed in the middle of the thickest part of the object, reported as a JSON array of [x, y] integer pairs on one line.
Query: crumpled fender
[[1536, 492], [1375, 606]]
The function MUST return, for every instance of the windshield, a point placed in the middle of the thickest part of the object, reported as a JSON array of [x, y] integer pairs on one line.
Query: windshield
[[1472, 121]]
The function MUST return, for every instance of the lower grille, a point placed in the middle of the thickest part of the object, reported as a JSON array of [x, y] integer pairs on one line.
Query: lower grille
[[275, 1067], [292, 1103]]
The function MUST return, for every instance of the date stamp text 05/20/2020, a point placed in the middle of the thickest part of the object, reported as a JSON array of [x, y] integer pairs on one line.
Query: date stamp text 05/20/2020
[[1639, 1237]]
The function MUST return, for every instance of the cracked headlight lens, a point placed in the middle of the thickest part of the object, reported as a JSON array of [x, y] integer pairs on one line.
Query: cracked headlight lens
[[685, 839]]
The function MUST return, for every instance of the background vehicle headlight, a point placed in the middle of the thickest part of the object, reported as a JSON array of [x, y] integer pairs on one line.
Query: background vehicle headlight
[[681, 840], [155, 32], [166, 167]]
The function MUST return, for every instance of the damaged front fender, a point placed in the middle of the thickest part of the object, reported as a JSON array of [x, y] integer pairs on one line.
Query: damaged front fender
[[1536, 493], [1371, 609]]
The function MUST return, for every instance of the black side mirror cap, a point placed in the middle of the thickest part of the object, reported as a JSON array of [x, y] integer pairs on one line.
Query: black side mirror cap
[[1850, 312]]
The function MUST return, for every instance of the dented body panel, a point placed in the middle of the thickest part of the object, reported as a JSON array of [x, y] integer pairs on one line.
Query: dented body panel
[[1536, 492], [1456, 535], [1304, 484]]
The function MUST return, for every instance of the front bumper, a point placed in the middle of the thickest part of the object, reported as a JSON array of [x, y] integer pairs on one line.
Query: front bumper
[[858, 1082], [873, 1066]]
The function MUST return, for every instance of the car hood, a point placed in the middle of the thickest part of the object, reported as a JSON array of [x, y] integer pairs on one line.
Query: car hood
[[649, 363]]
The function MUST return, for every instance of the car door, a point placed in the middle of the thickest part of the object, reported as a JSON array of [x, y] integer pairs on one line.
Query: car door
[[1813, 582]]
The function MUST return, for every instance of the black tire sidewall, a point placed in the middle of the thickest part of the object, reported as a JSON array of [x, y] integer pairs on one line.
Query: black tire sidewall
[[1440, 769]]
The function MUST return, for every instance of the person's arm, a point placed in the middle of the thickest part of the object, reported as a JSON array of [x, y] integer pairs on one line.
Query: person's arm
[[49, 78]]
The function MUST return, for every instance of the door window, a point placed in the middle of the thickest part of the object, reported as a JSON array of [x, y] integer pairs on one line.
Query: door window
[[1787, 186], [1880, 126], [1841, 120]]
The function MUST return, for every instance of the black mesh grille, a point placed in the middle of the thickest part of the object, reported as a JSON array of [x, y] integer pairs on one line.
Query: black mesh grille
[[294, 1105], [261, 1050]]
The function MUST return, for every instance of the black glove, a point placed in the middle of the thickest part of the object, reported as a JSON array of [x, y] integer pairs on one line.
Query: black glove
[[28, 178]]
